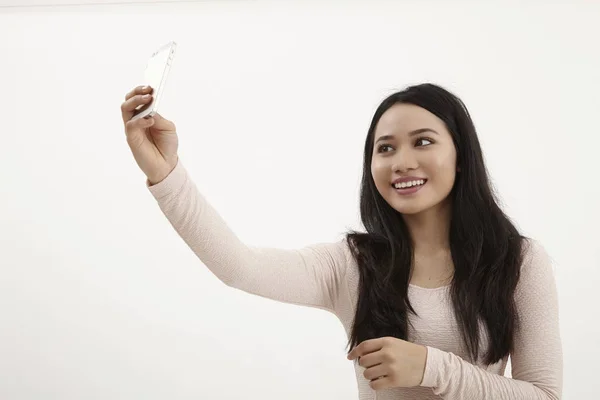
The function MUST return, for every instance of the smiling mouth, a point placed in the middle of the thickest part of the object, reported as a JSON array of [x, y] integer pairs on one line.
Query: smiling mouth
[[410, 185]]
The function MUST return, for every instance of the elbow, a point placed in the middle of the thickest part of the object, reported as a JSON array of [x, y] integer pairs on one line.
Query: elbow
[[548, 393], [553, 396], [229, 280], [227, 276]]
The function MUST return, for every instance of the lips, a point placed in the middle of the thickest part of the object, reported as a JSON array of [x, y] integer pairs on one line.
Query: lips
[[410, 189], [408, 179], [416, 183]]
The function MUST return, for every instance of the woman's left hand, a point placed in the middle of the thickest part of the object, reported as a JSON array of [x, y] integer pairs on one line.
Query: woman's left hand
[[391, 362]]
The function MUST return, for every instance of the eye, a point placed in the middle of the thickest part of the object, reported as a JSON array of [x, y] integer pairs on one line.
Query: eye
[[426, 139], [381, 148]]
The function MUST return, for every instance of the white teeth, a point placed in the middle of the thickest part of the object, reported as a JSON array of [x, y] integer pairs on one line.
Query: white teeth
[[409, 184]]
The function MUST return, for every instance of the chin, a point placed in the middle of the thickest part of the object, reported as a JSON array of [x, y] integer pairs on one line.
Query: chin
[[409, 209], [416, 203], [407, 205], [414, 207]]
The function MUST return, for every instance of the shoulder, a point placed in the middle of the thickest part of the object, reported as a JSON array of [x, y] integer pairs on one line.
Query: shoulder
[[536, 258], [336, 253], [537, 273]]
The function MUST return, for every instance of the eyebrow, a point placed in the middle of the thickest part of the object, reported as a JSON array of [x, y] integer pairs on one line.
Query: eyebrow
[[411, 133]]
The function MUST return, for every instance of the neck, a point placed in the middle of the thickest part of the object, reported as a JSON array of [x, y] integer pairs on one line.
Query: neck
[[430, 229]]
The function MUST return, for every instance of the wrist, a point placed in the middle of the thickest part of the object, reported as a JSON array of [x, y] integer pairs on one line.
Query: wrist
[[161, 176], [433, 366], [423, 365]]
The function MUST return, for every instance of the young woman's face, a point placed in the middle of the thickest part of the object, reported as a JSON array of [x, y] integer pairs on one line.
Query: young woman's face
[[411, 142]]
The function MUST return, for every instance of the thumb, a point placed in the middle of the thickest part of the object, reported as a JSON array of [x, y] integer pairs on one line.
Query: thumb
[[134, 128], [144, 123], [162, 121], [162, 124]]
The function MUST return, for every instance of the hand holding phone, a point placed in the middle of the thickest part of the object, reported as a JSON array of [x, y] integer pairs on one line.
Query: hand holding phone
[[152, 139], [155, 76]]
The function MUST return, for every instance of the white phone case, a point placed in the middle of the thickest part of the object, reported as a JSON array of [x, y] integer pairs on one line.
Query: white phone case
[[155, 76]]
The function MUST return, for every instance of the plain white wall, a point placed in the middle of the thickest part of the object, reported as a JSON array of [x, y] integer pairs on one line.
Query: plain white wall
[[100, 299]]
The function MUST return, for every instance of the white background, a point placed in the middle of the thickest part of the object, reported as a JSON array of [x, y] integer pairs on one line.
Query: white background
[[100, 299]]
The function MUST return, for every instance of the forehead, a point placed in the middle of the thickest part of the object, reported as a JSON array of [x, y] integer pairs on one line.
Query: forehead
[[400, 119]]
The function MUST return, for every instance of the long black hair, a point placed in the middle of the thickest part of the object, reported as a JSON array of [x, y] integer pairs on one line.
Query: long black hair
[[486, 247]]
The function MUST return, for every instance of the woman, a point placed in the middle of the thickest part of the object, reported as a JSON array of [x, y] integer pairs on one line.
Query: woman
[[437, 293]]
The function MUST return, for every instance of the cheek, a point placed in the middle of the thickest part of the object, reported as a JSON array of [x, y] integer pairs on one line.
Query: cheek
[[444, 168], [443, 157], [380, 173]]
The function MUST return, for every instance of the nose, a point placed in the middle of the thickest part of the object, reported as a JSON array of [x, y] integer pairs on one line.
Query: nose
[[404, 161]]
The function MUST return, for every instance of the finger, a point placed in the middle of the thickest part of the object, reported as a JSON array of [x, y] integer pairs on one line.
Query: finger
[[382, 383], [159, 117], [138, 90], [375, 372], [366, 347], [370, 360], [165, 124], [128, 107], [138, 124]]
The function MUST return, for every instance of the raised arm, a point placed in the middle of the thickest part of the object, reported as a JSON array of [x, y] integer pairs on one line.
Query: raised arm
[[537, 364], [312, 276]]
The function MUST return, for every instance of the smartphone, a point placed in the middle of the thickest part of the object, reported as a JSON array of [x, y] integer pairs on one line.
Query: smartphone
[[155, 76]]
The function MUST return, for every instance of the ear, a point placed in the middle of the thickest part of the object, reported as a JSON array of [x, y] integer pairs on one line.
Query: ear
[[458, 169]]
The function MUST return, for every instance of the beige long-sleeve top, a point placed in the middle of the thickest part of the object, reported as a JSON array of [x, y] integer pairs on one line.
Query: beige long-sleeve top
[[325, 276]]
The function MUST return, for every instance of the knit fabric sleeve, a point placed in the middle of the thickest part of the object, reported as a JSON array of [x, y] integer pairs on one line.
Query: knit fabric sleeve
[[309, 276]]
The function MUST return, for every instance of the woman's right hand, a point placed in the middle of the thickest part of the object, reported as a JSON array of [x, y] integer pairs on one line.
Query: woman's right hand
[[152, 141]]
